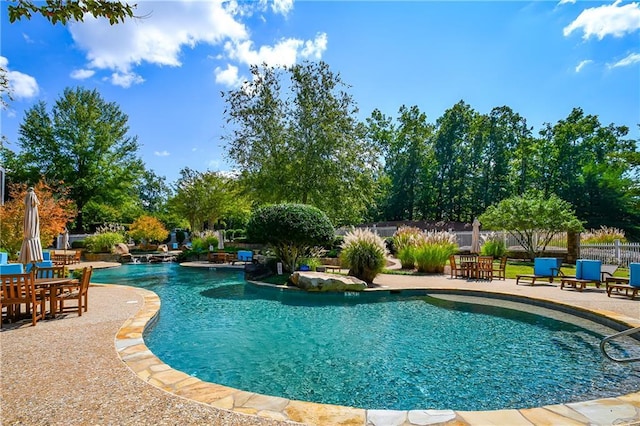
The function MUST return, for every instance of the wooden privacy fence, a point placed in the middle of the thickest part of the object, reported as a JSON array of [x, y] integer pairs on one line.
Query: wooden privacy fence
[[617, 253]]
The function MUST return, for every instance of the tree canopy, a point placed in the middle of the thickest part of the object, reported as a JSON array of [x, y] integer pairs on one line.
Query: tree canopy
[[532, 218], [204, 198], [70, 10], [295, 138], [81, 144]]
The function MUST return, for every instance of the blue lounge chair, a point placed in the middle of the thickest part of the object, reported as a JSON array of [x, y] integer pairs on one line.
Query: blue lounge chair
[[630, 286], [546, 268], [587, 272]]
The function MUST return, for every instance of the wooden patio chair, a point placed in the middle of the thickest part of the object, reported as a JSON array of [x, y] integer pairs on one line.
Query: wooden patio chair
[[78, 291], [19, 289], [456, 270], [499, 272], [484, 268]]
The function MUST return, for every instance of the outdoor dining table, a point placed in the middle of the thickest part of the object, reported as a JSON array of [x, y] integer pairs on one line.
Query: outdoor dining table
[[53, 286]]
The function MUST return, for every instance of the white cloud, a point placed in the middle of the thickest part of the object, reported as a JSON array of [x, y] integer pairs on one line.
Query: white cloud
[[282, 6], [166, 28], [125, 79], [315, 47], [82, 74], [158, 37], [228, 77], [21, 86], [566, 2], [606, 20], [284, 53], [583, 64], [633, 58], [161, 153]]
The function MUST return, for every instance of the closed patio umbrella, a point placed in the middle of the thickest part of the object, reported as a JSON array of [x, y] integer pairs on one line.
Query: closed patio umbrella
[[31, 250], [65, 240], [220, 240], [475, 237]]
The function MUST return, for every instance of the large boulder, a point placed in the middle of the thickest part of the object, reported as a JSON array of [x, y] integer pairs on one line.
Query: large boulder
[[319, 281]]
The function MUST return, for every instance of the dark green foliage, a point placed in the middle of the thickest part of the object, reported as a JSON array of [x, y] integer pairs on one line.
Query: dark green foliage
[[71, 10], [292, 229], [78, 244]]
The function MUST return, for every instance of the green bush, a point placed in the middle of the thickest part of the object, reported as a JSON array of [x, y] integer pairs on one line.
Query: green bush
[[493, 245], [78, 244], [203, 242], [293, 230], [364, 253], [104, 242], [406, 236], [311, 262], [431, 258], [407, 257]]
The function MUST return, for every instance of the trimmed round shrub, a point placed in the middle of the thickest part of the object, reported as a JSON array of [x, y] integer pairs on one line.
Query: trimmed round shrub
[[365, 253], [292, 230]]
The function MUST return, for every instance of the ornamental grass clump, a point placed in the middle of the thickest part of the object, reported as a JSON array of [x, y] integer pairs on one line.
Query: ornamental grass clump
[[433, 250], [105, 238], [493, 245], [364, 253], [602, 235], [405, 241]]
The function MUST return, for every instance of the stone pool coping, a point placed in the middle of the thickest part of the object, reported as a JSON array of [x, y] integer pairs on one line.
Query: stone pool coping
[[130, 346]]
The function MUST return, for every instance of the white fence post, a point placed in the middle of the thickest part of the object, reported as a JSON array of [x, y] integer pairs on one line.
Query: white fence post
[[616, 250]]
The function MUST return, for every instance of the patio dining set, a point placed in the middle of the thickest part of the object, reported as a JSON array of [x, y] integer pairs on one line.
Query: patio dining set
[[42, 293], [477, 267]]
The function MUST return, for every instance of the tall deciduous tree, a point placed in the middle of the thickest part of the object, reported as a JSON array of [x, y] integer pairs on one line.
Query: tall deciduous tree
[[205, 198], [532, 218], [82, 143], [55, 212], [302, 143]]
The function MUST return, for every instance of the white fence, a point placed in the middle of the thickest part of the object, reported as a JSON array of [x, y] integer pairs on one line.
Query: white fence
[[613, 253]]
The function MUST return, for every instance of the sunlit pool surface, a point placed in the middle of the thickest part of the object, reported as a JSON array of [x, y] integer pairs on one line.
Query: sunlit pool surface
[[378, 351]]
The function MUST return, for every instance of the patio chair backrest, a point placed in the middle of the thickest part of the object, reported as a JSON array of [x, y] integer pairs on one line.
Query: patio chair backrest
[[634, 274], [546, 266], [12, 268], [588, 269]]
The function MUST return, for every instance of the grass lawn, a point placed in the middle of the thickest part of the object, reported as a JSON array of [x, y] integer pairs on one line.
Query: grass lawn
[[512, 270]]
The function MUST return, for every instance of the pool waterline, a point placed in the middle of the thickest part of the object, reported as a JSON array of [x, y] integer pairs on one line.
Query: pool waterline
[[431, 289]]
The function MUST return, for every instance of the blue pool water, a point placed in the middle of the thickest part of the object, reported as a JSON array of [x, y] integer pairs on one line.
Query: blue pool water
[[378, 351]]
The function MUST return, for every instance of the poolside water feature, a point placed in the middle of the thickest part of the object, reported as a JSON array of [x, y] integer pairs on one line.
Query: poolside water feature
[[376, 351]]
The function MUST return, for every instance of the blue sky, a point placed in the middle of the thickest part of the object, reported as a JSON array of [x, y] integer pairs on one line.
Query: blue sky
[[166, 71]]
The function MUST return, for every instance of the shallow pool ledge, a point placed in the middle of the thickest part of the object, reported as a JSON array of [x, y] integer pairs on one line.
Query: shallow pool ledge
[[129, 344]]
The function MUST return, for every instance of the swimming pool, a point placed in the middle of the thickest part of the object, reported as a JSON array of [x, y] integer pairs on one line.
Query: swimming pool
[[373, 350]]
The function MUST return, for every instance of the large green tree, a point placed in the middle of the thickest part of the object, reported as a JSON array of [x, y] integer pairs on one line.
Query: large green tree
[[294, 136], [532, 218], [204, 198], [83, 143], [406, 148]]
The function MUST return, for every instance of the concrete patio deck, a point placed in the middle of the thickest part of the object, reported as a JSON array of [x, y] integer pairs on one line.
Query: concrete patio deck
[[70, 371]]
